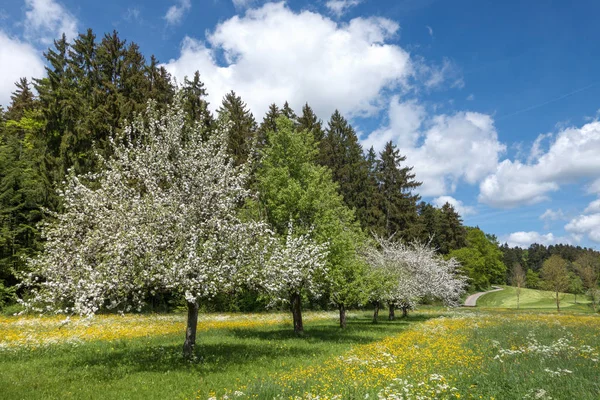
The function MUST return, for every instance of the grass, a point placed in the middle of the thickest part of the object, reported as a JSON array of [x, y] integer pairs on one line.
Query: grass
[[110, 359], [533, 299], [432, 354]]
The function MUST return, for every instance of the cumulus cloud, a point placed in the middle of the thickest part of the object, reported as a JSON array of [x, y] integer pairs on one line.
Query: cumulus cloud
[[273, 54], [46, 20], [571, 156], [594, 187], [25, 61], [525, 239], [458, 205], [176, 12], [340, 7], [588, 223], [444, 149], [551, 215]]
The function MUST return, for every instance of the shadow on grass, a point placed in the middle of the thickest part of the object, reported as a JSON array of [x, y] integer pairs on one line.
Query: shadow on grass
[[359, 330], [217, 350]]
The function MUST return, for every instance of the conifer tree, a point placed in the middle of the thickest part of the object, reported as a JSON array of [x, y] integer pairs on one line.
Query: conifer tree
[[243, 127], [195, 105], [343, 154], [269, 124], [287, 112], [399, 203], [309, 122]]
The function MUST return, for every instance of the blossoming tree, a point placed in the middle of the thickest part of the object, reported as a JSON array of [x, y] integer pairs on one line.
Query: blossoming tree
[[162, 215], [296, 266], [413, 272]]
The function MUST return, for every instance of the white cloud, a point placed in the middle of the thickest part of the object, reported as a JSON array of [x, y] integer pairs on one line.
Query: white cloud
[[272, 54], [594, 187], [430, 30], [444, 149], [572, 156], [471, 97], [458, 205], [588, 225], [551, 215], [17, 59], [405, 120], [46, 20], [242, 4], [340, 7], [593, 207], [176, 12], [434, 75], [525, 239], [132, 14]]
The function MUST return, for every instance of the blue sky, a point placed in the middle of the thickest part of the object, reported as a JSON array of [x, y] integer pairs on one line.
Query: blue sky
[[494, 103]]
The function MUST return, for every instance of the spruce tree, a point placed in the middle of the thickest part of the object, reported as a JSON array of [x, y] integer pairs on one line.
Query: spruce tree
[[309, 122], [343, 154], [399, 203], [269, 124], [453, 232], [243, 126], [287, 112], [194, 101]]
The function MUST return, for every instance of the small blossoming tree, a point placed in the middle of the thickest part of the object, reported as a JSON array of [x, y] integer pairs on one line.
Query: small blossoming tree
[[411, 273], [162, 215], [297, 265]]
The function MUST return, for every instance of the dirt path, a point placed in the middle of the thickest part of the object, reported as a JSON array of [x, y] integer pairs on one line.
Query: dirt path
[[471, 301]]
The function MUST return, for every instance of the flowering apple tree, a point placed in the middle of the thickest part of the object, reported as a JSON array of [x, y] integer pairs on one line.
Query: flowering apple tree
[[297, 265], [161, 215], [409, 273]]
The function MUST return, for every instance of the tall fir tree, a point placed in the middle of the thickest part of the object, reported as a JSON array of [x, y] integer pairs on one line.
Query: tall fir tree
[[397, 183], [195, 104], [309, 121], [343, 154], [242, 133], [287, 112], [269, 124]]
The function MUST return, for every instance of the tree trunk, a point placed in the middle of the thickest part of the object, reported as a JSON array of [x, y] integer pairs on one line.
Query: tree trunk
[[518, 297], [190, 332], [296, 304], [376, 312], [342, 316], [404, 312], [575, 298], [392, 315], [557, 302]]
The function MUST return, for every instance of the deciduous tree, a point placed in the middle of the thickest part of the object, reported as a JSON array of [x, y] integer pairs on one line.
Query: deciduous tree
[[160, 215]]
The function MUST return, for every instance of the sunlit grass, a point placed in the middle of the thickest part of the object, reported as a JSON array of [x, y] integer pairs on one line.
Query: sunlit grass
[[533, 299], [432, 354]]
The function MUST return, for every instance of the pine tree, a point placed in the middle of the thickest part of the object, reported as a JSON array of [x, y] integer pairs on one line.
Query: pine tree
[[399, 203], [195, 104], [287, 112], [23, 183], [269, 124], [454, 234], [243, 126], [21, 100], [343, 154], [308, 121]]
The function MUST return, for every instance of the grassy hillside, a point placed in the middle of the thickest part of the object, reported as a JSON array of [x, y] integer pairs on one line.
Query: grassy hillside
[[532, 299]]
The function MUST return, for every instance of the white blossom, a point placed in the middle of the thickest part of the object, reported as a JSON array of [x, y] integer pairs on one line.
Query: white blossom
[[161, 215], [413, 272]]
